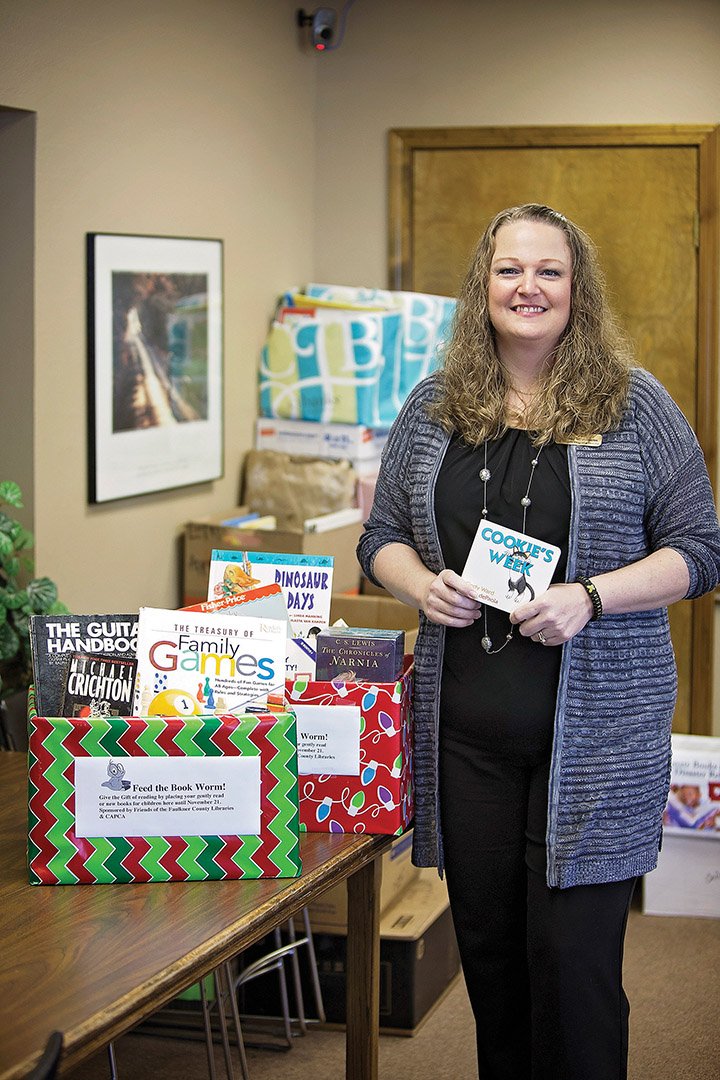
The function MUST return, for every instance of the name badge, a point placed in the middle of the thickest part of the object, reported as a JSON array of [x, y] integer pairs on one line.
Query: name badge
[[589, 440]]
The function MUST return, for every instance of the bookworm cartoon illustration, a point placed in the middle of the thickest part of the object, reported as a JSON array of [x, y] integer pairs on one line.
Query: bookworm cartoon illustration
[[116, 772], [518, 586]]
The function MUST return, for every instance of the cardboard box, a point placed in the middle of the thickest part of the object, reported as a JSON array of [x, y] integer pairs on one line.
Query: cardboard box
[[686, 880], [359, 444], [200, 537], [369, 588], [377, 608], [418, 961], [383, 612], [374, 793], [329, 912]]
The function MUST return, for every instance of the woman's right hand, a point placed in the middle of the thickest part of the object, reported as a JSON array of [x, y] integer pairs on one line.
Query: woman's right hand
[[450, 600]]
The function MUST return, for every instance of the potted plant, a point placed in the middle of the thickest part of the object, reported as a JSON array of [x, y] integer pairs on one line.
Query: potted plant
[[21, 595]]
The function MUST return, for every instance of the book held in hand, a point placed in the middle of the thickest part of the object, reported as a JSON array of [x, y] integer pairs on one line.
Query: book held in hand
[[53, 638], [98, 685], [194, 663], [359, 654], [508, 568]]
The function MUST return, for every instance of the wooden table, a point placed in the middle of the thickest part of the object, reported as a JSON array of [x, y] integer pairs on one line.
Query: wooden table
[[93, 960]]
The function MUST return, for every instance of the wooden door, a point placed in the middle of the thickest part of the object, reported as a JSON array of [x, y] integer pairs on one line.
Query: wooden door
[[648, 198]]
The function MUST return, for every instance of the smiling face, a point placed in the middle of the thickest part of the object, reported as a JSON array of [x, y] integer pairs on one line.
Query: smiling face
[[530, 287]]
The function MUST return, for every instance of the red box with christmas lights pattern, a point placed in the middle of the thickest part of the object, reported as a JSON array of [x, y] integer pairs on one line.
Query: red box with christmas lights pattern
[[372, 792]]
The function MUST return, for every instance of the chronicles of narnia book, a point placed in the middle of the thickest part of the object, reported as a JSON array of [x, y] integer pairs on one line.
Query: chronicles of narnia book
[[192, 663], [99, 685], [54, 638], [360, 654]]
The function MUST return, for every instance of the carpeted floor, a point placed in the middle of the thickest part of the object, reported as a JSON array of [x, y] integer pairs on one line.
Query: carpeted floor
[[671, 967]]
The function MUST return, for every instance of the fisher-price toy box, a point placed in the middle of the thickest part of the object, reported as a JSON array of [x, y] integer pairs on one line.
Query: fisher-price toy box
[[355, 754], [145, 799]]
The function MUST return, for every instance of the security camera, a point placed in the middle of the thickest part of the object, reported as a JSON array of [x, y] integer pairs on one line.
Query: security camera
[[322, 23]]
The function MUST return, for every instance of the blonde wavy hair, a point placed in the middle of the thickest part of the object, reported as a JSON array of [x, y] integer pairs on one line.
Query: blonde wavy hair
[[583, 391]]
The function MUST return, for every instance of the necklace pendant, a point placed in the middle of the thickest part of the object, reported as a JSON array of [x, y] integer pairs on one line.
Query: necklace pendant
[[486, 643], [525, 501], [485, 475]]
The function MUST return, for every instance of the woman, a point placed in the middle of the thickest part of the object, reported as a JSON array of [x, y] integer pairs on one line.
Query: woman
[[542, 737]]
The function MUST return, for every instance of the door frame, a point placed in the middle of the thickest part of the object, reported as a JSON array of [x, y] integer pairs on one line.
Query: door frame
[[705, 138]]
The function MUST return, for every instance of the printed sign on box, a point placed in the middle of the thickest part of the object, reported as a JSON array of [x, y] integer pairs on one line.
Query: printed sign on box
[[379, 798], [328, 739], [167, 796], [242, 819]]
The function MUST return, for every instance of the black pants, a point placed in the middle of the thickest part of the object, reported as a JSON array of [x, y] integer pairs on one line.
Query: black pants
[[543, 966]]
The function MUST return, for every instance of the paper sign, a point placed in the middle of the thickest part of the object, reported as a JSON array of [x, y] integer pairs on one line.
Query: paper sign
[[508, 568], [173, 796], [328, 739]]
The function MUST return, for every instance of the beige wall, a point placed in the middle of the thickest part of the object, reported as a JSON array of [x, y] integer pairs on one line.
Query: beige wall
[[17, 215], [171, 118], [471, 62]]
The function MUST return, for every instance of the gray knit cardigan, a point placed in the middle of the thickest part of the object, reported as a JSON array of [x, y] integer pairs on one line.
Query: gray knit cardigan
[[646, 487]]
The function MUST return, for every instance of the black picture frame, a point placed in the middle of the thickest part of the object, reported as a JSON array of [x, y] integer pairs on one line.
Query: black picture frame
[[155, 363]]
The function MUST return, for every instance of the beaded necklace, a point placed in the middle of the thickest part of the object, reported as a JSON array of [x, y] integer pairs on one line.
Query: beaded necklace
[[525, 502]]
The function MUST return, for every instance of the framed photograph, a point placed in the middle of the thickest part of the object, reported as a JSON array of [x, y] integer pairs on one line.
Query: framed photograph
[[155, 363]]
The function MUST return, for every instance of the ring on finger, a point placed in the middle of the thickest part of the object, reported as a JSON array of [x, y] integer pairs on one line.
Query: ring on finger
[[541, 637]]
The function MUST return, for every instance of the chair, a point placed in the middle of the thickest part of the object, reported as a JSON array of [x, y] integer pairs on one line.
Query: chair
[[227, 985], [13, 723], [47, 1066]]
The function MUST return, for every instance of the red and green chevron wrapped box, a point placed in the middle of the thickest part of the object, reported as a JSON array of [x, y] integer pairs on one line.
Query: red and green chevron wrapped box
[[378, 798], [60, 747]]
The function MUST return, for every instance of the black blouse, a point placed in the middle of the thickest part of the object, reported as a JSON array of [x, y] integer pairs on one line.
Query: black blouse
[[504, 701]]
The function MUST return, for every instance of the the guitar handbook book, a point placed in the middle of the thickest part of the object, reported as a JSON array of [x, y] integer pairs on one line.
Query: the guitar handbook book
[[53, 638]]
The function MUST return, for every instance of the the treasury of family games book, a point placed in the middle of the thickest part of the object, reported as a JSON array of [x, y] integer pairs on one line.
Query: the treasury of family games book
[[191, 663]]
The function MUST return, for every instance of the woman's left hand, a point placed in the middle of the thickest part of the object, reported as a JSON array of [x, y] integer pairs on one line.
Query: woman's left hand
[[556, 616]]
